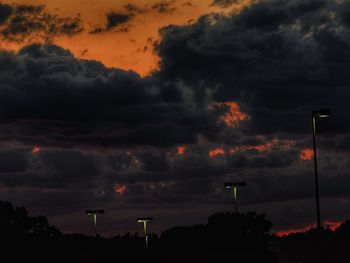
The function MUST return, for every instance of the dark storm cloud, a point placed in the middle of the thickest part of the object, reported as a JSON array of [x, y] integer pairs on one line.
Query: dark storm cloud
[[22, 179], [115, 20], [268, 57], [24, 21], [225, 3], [245, 57], [12, 161], [273, 159], [48, 169], [120, 21], [277, 186], [154, 161], [278, 59], [5, 12], [155, 166], [88, 104], [29, 9], [131, 8], [71, 166], [165, 7]]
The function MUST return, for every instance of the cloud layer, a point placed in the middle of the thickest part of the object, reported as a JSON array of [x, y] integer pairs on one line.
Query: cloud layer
[[232, 100], [21, 22]]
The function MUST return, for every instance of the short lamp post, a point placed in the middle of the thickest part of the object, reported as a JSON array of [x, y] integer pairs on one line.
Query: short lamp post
[[145, 221], [316, 114], [94, 214], [234, 187]]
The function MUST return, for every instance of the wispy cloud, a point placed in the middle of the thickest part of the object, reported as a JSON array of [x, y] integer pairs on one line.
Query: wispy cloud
[[24, 22], [165, 7], [114, 20]]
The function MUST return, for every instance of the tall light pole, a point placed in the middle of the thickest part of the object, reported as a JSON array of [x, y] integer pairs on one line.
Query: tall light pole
[[316, 114], [145, 221], [94, 214], [234, 187]]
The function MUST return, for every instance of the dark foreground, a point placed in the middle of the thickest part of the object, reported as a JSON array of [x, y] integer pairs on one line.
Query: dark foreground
[[227, 237]]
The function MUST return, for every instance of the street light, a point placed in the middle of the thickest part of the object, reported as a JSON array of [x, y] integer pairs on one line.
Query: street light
[[234, 186], [322, 113], [145, 221], [94, 214]]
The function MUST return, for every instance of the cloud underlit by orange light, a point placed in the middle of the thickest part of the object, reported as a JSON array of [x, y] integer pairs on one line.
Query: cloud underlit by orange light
[[268, 146], [181, 150], [280, 144], [36, 150], [258, 148], [233, 116], [306, 154], [216, 152], [120, 189]]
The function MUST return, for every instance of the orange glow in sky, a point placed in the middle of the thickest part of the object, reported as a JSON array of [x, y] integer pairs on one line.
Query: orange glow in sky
[[216, 152], [130, 49], [36, 150], [287, 232], [258, 148], [273, 144], [263, 147], [233, 116], [120, 189], [332, 225], [306, 154], [181, 150]]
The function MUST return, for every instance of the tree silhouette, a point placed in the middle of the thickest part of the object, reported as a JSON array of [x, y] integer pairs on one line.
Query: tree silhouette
[[238, 231], [15, 223], [226, 234], [344, 230]]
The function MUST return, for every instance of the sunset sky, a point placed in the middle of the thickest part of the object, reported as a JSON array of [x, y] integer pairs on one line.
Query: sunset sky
[[146, 108], [128, 45]]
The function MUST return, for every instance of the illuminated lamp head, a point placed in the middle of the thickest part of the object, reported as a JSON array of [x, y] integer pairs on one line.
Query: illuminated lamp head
[[236, 184], [322, 113], [144, 219], [94, 212]]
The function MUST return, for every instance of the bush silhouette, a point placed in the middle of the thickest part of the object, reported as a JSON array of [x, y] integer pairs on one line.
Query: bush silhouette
[[224, 235], [344, 230], [238, 231]]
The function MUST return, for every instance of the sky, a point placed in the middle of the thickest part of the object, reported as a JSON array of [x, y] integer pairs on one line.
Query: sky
[[146, 108], [126, 44]]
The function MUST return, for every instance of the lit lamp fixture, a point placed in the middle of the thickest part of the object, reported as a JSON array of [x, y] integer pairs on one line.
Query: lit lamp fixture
[[316, 114], [234, 187], [145, 221], [94, 214]]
